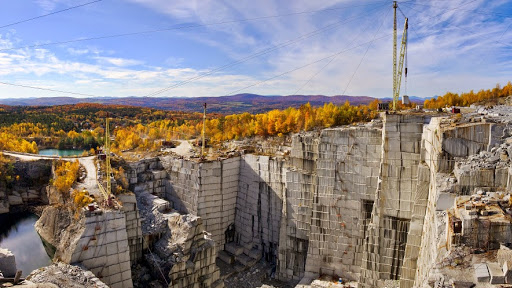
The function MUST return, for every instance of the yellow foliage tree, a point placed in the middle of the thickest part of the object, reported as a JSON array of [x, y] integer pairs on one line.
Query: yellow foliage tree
[[66, 174], [10, 142], [80, 200]]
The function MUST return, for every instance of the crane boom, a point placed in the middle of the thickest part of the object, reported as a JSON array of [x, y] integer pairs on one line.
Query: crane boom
[[395, 5], [397, 75], [403, 50]]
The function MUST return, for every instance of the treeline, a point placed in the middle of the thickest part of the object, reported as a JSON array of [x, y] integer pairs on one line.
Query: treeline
[[78, 126], [86, 116], [466, 99], [238, 126], [11, 142]]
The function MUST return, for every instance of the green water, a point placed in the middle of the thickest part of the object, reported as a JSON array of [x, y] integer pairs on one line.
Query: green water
[[63, 153]]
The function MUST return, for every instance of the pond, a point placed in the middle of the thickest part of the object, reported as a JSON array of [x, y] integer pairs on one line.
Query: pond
[[58, 152], [17, 233]]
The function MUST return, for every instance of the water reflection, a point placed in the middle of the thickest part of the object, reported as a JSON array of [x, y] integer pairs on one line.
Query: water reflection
[[61, 152], [17, 233]]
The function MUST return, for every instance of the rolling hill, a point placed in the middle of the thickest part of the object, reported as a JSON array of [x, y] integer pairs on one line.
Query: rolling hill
[[224, 104]]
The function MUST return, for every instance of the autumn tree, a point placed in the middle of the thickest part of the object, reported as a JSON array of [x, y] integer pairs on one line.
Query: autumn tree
[[66, 174]]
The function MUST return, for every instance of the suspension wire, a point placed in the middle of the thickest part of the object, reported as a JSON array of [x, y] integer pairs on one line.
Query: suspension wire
[[47, 89], [154, 259], [479, 11], [365, 52], [182, 26], [314, 75], [306, 65], [328, 63], [412, 28], [506, 30], [257, 54], [298, 68], [52, 13], [469, 31], [401, 11]]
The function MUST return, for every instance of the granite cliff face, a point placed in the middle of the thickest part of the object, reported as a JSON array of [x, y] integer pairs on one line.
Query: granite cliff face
[[29, 189], [410, 200], [357, 202]]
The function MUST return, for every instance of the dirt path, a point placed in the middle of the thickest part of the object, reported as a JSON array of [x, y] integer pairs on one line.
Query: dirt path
[[89, 183]]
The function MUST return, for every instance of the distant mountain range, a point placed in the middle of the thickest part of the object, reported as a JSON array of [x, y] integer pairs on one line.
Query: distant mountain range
[[240, 103]]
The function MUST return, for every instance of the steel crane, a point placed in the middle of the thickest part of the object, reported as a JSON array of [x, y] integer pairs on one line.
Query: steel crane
[[397, 71]]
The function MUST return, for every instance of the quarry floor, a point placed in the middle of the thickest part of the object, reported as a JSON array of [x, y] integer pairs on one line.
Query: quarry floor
[[256, 276]]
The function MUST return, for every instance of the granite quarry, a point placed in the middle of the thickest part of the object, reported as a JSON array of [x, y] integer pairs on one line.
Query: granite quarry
[[412, 199]]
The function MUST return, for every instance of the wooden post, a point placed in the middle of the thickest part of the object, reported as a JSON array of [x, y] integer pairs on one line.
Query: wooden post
[[17, 277]]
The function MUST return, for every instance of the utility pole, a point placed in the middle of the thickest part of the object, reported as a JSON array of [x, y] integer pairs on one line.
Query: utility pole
[[204, 125], [107, 154], [395, 5]]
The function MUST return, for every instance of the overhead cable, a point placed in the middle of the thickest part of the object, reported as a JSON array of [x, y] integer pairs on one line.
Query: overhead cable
[[306, 65], [182, 26], [328, 57], [52, 13], [473, 32], [365, 52], [47, 89], [258, 54], [327, 64]]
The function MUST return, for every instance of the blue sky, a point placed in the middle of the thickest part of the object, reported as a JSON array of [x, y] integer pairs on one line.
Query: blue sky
[[324, 47]]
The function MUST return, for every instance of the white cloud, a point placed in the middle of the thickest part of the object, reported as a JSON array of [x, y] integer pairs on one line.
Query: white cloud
[[74, 51], [50, 5], [108, 77], [174, 62], [452, 46], [47, 5], [121, 62]]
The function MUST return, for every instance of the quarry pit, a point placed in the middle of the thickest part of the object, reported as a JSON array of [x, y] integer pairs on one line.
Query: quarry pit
[[411, 199]]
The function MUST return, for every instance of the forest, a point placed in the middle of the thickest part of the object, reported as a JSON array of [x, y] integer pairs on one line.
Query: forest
[[239, 126], [466, 99], [81, 126]]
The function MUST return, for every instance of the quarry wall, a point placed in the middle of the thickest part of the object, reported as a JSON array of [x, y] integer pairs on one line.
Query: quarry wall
[[103, 248], [317, 211], [98, 241], [347, 171], [441, 143], [384, 249], [363, 202], [207, 189], [259, 204]]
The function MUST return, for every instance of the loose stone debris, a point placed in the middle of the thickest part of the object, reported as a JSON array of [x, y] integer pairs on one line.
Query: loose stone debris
[[65, 275]]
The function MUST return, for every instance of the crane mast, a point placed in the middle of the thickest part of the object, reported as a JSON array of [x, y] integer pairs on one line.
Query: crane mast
[[107, 152], [397, 75]]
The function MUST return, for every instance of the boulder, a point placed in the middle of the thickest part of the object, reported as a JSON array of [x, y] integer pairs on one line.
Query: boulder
[[15, 199], [7, 263], [4, 207]]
